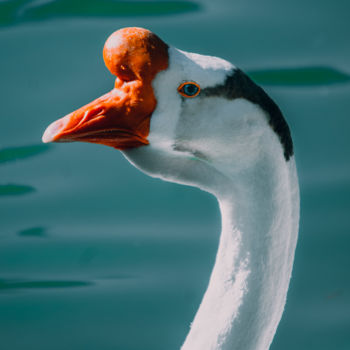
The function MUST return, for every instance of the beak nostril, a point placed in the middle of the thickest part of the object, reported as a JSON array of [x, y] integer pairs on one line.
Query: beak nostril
[[94, 112], [100, 110], [89, 115]]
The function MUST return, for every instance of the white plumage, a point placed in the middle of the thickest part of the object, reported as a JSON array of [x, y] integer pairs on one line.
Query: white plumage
[[232, 141]]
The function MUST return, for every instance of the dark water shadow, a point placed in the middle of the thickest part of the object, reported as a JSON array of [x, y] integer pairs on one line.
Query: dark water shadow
[[302, 76], [15, 190], [8, 11], [15, 153], [33, 232], [13, 12], [41, 284]]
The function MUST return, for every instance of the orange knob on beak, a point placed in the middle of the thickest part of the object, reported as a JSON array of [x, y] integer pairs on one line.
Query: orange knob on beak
[[120, 118]]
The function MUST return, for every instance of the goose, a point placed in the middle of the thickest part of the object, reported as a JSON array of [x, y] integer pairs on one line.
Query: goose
[[200, 121]]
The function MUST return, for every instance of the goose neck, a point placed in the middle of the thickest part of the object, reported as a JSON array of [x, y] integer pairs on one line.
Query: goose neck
[[247, 290]]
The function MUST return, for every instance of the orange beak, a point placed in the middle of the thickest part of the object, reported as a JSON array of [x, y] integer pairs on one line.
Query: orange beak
[[120, 118]]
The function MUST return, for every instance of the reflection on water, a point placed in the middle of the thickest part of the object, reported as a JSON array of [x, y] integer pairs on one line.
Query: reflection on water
[[16, 11], [33, 232], [302, 76], [15, 284], [15, 190]]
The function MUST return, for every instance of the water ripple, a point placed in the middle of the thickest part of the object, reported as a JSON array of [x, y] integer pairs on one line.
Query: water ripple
[[15, 153], [12, 12], [33, 232], [302, 76], [15, 190], [41, 284]]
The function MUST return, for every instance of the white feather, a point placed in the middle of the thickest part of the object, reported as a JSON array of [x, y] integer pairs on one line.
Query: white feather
[[227, 147]]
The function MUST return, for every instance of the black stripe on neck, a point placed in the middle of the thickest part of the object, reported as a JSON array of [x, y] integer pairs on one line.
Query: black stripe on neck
[[239, 85]]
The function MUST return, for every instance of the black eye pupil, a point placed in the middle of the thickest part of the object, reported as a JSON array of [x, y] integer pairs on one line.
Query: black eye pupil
[[190, 89]]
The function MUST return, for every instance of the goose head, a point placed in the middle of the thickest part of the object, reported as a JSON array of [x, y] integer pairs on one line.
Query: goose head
[[180, 116], [198, 120]]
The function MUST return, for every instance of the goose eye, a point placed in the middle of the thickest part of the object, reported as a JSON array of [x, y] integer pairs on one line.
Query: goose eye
[[189, 89]]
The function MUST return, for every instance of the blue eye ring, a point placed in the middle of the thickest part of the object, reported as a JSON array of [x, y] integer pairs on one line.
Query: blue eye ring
[[189, 89]]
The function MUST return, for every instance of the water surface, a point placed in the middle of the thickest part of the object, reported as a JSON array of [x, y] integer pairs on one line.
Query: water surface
[[96, 255]]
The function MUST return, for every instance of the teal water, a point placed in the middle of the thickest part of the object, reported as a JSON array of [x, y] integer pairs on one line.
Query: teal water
[[96, 255]]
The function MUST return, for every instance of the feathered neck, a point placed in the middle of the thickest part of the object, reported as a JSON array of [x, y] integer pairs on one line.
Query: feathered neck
[[248, 286]]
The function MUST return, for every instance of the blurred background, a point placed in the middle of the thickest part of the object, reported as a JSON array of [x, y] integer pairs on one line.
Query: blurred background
[[96, 255]]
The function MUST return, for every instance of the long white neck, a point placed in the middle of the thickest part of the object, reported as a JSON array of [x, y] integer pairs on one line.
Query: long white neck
[[258, 194], [248, 286]]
